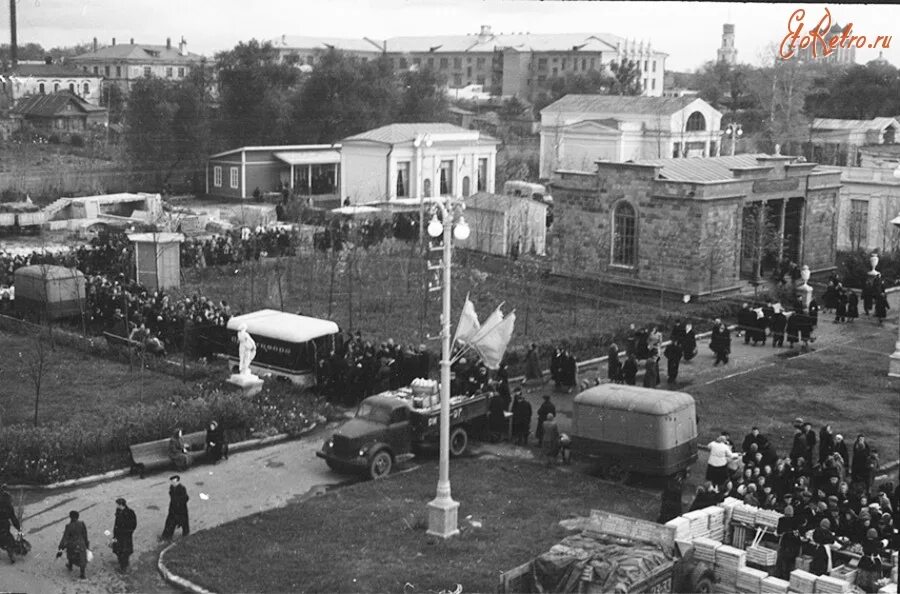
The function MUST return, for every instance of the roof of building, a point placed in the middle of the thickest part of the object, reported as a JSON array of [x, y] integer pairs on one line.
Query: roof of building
[[52, 104], [499, 202], [323, 157], [49, 71], [854, 125], [400, 133], [488, 42], [620, 104], [699, 169], [280, 148], [139, 52]]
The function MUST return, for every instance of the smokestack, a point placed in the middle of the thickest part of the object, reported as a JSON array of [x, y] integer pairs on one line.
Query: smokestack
[[132, 41], [168, 43], [13, 42], [114, 42], [95, 44]]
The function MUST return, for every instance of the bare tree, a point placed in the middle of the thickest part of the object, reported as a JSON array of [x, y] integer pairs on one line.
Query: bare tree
[[35, 363], [761, 236]]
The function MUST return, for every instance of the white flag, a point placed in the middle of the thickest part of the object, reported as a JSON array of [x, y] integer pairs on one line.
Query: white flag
[[468, 323], [492, 340]]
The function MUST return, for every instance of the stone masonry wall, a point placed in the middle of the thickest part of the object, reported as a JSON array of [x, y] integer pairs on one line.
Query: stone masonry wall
[[820, 227]]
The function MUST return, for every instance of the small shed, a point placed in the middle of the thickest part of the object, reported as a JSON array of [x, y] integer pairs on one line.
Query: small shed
[[49, 291], [506, 225], [157, 259]]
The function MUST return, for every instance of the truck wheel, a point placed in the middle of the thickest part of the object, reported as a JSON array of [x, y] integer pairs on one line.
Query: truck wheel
[[700, 579], [380, 464], [459, 441]]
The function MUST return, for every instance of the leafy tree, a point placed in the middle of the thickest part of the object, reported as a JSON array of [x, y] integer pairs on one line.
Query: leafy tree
[[422, 97], [862, 92], [626, 78], [114, 99], [592, 82], [26, 51], [255, 91]]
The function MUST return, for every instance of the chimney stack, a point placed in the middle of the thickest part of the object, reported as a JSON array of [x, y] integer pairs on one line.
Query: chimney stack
[[181, 45], [168, 43], [114, 42], [95, 44], [13, 42], [132, 41]]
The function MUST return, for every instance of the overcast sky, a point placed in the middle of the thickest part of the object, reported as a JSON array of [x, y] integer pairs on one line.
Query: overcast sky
[[690, 32]]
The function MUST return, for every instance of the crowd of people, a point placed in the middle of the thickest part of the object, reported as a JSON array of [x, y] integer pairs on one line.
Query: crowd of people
[[823, 486], [844, 302], [243, 245]]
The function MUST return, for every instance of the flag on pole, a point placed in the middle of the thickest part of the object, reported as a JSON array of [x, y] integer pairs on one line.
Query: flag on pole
[[493, 338], [468, 323]]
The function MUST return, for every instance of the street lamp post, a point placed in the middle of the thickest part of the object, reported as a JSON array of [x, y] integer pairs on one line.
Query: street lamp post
[[894, 368], [735, 132], [442, 510]]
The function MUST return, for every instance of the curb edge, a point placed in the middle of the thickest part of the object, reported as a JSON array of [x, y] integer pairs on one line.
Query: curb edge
[[175, 579]]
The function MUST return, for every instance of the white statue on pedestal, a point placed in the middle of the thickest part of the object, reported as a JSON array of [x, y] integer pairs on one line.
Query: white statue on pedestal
[[246, 350], [805, 290]]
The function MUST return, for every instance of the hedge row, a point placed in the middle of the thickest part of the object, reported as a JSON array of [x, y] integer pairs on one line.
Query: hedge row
[[853, 268], [58, 452]]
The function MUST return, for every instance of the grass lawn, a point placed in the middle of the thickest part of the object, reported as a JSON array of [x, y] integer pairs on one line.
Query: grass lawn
[[845, 385], [370, 537], [75, 385]]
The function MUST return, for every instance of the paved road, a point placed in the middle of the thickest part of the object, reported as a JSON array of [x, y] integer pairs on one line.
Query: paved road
[[248, 482]]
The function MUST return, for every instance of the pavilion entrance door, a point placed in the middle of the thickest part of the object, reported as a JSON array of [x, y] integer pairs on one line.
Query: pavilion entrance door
[[761, 238]]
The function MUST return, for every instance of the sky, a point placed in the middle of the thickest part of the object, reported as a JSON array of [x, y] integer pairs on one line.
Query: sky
[[690, 32]]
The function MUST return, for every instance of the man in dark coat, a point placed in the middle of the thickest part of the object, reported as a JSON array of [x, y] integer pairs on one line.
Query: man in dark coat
[[521, 419], [689, 342], [673, 354], [8, 519], [789, 544], [720, 342], [547, 408], [178, 510], [613, 365], [779, 325], [630, 369], [123, 531], [556, 367], [746, 320], [670, 506], [651, 370], [216, 448], [569, 370], [497, 418], [75, 543], [533, 365]]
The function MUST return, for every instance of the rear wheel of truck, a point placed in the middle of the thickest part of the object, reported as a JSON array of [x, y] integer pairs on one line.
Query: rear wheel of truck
[[459, 441], [380, 464]]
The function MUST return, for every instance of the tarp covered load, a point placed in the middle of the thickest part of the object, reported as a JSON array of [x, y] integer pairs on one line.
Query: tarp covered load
[[612, 565]]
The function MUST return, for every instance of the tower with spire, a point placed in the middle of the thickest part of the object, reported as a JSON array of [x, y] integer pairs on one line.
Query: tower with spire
[[727, 53]]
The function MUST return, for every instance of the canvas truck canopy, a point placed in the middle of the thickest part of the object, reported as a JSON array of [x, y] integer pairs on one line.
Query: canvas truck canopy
[[279, 325]]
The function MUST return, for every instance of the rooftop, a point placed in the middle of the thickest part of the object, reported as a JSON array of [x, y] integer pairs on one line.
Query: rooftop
[[878, 124], [620, 104], [401, 133], [499, 202], [139, 52], [48, 70], [50, 105], [342, 43], [709, 169]]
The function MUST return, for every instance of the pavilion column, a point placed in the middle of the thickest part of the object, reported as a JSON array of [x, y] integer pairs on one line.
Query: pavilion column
[[781, 229]]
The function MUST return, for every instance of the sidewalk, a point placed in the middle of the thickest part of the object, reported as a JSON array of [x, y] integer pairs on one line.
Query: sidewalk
[[247, 483]]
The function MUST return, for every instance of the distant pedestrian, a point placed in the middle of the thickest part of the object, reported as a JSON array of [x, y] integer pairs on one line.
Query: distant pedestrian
[[779, 325], [720, 343], [75, 543], [216, 448], [671, 506], [546, 409], [613, 365], [852, 305], [569, 370], [651, 370], [881, 307], [630, 369], [551, 438], [123, 532], [521, 419], [689, 342], [178, 510], [673, 355], [840, 311], [533, 364], [8, 519]]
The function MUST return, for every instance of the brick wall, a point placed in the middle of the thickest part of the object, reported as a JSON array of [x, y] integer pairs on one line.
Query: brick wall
[[819, 232]]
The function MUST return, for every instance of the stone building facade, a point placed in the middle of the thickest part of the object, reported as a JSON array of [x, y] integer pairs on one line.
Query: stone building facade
[[694, 226]]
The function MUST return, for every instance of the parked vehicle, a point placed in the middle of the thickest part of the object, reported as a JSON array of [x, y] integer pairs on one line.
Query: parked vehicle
[[635, 429], [395, 425], [43, 291]]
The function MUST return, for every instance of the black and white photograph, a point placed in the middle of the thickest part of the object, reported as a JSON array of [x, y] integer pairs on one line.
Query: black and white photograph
[[449, 297]]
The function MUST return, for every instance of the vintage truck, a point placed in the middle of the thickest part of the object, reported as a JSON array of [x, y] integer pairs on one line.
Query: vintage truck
[[613, 553], [397, 424]]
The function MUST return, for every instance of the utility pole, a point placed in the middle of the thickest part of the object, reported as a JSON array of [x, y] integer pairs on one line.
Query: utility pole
[[13, 43]]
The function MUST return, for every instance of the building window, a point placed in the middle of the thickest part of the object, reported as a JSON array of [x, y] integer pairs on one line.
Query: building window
[[592, 63], [403, 179], [147, 72], [181, 72], [430, 62], [479, 63], [87, 89], [653, 84], [446, 178], [583, 64], [235, 178], [624, 235], [563, 63], [654, 65], [217, 176], [466, 187], [644, 86], [457, 62], [169, 72], [56, 87], [555, 72], [542, 79], [426, 188], [481, 182], [106, 70], [696, 122], [417, 61], [96, 70], [542, 63], [41, 88], [469, 71], [457, 80], [645, 66], [118, 71], [480, 80], [859, 224], [445, 62], [71, 87]]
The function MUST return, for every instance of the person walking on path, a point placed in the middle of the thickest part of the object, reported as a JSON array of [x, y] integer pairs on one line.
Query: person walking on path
[[533, 365], [673, 355], [75, 543], [521, 419], [178, 510], [8, 519], [881, 307], [546, 409], [852, 305], [689, 342], [651, 370], [551, 438], [720, 342], [779, 325], [123, 532], [629, 370]]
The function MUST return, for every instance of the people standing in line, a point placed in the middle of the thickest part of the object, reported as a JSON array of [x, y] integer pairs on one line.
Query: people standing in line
[[689, 342], [123, 532], [545, 409], [216, 447], [521, 419], [789, 543], [178, 510], [630, 369], [551, 437], [75, 543], [613, 365], [533, 364], [881, 307], [8, 519], [651, 369], [852, 305], [673, 355]]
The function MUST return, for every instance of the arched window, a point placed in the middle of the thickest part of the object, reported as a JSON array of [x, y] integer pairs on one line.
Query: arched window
[[87, 89], [72, 87], [56, 87], [41, 88], [465, 188], [624, 247], [696, 123]]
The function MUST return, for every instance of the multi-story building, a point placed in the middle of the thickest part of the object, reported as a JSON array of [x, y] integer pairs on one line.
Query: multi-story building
[[123, 64], [506, 64], [46, 78], [841, 55]]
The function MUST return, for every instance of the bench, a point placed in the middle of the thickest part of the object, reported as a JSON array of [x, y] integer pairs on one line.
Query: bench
[[155, 454], [125, 342]]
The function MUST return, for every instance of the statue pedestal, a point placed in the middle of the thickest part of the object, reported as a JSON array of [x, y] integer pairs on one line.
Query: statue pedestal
[[250, 385]]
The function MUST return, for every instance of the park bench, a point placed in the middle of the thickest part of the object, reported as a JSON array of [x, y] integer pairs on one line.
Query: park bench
[[155, 454]]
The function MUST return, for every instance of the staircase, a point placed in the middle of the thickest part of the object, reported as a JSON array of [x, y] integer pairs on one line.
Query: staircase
[[51, 210]]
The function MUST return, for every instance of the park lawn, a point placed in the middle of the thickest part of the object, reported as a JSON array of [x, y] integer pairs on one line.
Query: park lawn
[[75, 385], [370, 537], [845, 385]]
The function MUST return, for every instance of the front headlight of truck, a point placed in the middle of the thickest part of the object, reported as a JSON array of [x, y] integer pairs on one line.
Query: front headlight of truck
[[362, 452], [329, 444]]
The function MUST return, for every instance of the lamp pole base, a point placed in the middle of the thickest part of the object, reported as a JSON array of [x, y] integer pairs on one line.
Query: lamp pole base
[[442, 517]]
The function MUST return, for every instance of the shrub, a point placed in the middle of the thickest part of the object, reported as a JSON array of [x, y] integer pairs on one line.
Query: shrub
[[77, 140], [853, 267], [53, 139]]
